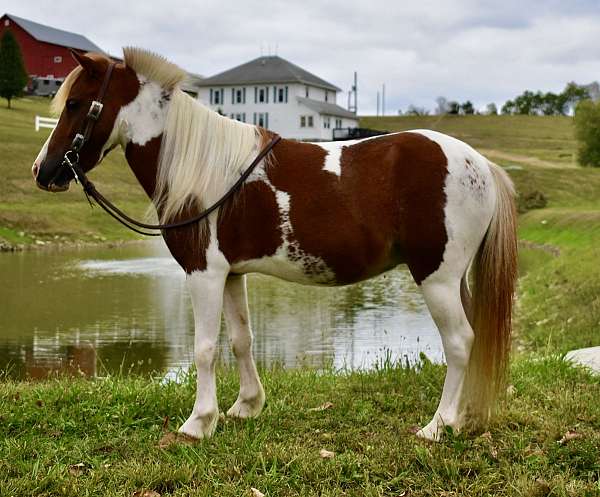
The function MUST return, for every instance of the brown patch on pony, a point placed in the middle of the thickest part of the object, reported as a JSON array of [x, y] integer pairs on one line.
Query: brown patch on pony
[[386, 207], [249, 228]]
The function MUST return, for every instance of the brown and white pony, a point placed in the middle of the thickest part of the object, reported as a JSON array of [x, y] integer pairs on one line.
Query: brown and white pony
[[313, 213]]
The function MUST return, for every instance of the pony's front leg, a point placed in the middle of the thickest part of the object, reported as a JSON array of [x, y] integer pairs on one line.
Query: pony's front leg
[[251, 398], [206, 289]]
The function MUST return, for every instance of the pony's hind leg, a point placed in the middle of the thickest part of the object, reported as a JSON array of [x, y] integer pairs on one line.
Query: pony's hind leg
[[443, 298], [251, 398]]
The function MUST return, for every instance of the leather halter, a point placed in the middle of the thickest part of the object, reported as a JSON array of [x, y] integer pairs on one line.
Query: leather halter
[[71, 160]]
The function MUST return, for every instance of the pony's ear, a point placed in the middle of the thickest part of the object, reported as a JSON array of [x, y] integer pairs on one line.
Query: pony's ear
[[88, 64]]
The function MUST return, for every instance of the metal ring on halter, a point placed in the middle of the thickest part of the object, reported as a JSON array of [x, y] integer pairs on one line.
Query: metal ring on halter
[[69, 162]]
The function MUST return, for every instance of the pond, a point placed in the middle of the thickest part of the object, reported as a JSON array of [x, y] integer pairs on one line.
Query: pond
[[98, 311]]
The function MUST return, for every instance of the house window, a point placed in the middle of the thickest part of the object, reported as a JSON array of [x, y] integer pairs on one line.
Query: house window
[[261, 119], [280, 94], [306, 92], [306, 121], [216, 96], [338, 123], [326, 96], [261, 95], [327, 122], [239, 117], [58, 59], [6, 22]]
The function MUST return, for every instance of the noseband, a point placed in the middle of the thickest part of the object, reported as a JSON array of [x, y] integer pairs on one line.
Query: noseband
[[71, 160]]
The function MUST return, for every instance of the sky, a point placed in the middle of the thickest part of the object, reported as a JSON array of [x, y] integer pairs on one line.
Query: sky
[[484, 51]]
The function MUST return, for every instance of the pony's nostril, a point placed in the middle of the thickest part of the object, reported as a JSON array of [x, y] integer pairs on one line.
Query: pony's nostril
[[35, 170]]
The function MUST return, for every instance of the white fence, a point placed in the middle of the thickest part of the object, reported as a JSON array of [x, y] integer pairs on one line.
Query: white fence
[[45, 122]]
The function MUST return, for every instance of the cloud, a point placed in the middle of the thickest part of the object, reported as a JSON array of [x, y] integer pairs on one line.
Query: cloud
[[465, 49]]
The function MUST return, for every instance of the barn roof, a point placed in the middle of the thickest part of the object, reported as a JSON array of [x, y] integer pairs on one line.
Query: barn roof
[[47, 34], [267, 69]]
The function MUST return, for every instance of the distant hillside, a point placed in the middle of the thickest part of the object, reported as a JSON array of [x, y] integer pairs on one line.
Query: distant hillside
[[547, 138]]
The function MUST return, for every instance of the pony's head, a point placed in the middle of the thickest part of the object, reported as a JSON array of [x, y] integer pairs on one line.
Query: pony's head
[[142, 76]]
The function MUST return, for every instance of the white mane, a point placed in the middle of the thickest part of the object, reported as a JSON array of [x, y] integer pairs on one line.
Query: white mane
[[201, 156], [154, 67]]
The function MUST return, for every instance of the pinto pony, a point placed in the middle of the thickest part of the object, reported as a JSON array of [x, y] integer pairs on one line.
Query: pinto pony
[[313, 213]]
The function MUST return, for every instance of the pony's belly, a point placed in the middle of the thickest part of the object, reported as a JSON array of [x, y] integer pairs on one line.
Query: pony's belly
[[303, 268]]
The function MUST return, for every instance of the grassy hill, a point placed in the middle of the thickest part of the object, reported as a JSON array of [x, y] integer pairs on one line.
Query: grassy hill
[[27, 213]]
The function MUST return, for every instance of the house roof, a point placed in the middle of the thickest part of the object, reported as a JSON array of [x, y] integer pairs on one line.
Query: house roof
[[267, 69], [55, 36], [326, 108]]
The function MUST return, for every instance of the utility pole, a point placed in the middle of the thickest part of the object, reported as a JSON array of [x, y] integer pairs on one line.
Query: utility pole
[[353, 95], [383, 100], [378, 99]]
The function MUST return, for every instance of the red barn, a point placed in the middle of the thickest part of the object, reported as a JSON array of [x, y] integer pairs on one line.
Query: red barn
[[45, 49]]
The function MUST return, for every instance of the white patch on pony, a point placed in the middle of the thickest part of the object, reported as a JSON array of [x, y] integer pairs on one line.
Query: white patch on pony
[[334, 155], [289, 262], [43, 152], [144, 118]]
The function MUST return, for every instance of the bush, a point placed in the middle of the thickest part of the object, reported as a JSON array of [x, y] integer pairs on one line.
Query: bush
[[587, 132]]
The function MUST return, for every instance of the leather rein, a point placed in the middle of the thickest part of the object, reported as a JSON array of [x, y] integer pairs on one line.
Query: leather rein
[[71, 160]]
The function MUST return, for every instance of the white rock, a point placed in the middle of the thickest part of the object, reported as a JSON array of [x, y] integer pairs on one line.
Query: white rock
[[589, 358]]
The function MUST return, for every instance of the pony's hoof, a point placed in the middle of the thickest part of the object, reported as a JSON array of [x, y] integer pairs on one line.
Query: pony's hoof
[[175, 438], [432, 432], [248, 408]]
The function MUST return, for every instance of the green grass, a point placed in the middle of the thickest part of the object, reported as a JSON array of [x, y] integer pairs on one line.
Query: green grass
[[43, 216], [545, 138], [112, 426]]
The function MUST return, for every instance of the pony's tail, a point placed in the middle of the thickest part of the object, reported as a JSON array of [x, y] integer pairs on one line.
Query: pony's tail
[[490, 311]]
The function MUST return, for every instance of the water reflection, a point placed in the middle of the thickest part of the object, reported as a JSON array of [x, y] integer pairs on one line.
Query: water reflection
[[93, 311]]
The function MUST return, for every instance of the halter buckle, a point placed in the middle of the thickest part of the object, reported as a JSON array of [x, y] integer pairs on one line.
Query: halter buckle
[[95, 110], [77, 142]]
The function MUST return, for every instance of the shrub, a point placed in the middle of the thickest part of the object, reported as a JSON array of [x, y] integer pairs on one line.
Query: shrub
[[587, 132]]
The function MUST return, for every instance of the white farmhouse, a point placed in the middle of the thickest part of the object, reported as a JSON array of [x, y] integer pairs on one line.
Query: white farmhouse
[[274, 93]]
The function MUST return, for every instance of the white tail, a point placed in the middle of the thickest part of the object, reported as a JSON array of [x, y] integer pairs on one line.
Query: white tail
[[490, 312]]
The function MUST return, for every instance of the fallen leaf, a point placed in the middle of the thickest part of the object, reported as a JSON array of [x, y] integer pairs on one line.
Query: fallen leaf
[[511, 390], [326, 454], [414, 429], [570, 435], [486, 436], [39, 403], [322, 407], [541, 488], [146, 493], [77, 469], [165, 426], [256, 492]]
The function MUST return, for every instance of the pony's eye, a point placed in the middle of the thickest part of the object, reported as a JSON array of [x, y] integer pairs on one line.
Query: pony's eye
[[72, 104]]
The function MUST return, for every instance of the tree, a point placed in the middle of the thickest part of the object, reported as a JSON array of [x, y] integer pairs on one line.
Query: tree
[[416, 111], [467, 108], [13, 76], [453, 107], [442, 106], [587, 132], [491, 109]]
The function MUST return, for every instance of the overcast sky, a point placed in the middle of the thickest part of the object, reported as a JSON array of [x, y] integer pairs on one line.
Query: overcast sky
[[485, 51]]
